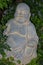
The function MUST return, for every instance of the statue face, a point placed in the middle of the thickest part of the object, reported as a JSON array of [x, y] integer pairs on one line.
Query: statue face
[[22, 13], [21, 16]]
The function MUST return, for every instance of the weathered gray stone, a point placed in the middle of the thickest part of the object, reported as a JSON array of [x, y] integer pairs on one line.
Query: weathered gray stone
[[22, 36]]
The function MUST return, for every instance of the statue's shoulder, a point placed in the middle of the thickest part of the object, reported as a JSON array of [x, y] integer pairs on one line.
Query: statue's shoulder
[[31, 26], [10, 22]]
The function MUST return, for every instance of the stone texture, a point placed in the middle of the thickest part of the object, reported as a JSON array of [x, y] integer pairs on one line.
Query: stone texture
[[22, 36]]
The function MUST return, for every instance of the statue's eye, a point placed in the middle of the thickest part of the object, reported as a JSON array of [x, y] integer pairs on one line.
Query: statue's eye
[[23, 12], [18, 12]]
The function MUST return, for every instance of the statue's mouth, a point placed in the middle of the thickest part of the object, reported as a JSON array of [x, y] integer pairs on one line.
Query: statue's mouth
[[20, 19]]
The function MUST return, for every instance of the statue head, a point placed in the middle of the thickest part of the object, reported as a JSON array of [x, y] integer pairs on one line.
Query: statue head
[[22, 13]]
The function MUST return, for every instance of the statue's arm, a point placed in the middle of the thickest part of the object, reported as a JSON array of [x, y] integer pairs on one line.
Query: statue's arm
[[32, 36], [7, 30]]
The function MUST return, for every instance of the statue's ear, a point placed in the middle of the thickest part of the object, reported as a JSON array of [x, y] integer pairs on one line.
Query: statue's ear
[[29, 15], [15, 14]]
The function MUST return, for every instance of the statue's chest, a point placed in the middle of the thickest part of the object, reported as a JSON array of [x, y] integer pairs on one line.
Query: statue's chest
[[18, 35], [18, 28]]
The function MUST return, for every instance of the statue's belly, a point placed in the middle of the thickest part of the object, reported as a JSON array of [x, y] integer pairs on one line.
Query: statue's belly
[[16, 28], [17, 36], [16, 40]]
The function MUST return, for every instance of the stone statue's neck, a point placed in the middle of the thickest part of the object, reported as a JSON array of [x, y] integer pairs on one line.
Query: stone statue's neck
[[24, 23]]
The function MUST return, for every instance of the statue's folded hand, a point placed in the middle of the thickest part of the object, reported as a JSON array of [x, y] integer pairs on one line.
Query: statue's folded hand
[[7, 30], [32, 43]]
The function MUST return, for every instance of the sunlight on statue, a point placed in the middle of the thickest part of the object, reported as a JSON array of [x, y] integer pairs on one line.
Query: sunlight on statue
[[22, 36]]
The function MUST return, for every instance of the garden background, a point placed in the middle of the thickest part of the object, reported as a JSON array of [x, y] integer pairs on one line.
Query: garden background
[[7, 9]]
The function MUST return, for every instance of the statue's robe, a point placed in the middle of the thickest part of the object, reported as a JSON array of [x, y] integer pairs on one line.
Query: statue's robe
[[22, 39]]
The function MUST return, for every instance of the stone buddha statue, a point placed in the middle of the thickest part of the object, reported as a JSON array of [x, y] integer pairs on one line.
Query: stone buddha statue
[[22, 36]]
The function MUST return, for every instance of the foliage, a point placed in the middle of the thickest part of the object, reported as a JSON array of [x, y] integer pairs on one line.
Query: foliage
[[33, 62], [7, 61], [4, 3], [18, 61]]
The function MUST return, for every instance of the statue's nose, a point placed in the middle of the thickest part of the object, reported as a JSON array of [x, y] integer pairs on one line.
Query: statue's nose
[[21, 15]]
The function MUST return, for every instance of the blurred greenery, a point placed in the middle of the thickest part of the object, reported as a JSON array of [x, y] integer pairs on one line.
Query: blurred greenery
[[18, 61], [4, 3], [7, 61], [33, 62], [36, 8]]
